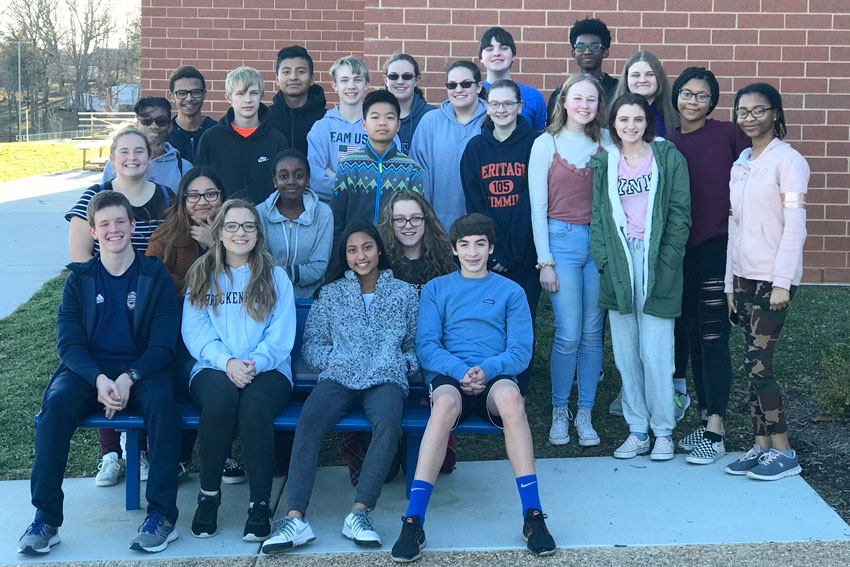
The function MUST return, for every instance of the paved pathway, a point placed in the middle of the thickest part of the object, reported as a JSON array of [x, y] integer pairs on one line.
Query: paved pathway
[[34, 232]]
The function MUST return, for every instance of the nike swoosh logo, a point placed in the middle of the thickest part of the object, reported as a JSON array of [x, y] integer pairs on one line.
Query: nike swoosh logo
[[412, 489], [523, 485]]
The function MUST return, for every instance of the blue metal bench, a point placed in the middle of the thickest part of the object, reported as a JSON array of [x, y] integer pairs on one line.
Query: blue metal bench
[[413, 421]]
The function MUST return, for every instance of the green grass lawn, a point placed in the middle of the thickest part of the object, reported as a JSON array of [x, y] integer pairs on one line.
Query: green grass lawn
[[28, 358], [22, 159]]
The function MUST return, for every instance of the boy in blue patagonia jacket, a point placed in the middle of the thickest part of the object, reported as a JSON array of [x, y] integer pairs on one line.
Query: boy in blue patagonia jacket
[[474, 336]]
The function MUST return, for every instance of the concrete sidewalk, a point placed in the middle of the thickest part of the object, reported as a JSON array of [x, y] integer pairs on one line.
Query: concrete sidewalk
[[34, 232], [592, 503]]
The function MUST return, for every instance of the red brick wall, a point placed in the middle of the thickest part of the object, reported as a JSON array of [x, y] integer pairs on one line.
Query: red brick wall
[[800, 46]]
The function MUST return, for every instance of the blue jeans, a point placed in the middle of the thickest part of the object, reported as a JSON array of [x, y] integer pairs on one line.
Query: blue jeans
[[578, 319]]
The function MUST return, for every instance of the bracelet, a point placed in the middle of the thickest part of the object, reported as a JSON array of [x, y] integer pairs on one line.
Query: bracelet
[[542, 265]]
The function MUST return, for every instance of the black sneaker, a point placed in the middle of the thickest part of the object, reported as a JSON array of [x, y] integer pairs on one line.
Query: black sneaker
[[536, 534], [410, 542], [205, 522], [232, 474], [259, 526]]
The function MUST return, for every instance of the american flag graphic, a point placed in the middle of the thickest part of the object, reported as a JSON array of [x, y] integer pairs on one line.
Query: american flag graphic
[[345, 149]]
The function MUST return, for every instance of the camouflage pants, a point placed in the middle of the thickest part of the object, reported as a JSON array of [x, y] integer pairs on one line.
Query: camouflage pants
[[761, 330]]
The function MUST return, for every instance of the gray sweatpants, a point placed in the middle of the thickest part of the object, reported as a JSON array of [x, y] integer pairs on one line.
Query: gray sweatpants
[[325, 406], [643, 352]]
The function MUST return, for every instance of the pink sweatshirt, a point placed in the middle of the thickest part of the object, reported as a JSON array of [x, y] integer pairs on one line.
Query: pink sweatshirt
[[767, 221]]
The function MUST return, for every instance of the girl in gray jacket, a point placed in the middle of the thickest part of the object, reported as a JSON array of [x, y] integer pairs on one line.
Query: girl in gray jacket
[[360, 337]]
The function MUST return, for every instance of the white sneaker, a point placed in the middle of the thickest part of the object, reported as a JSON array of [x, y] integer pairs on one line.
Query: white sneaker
[[587, 436], [290, 532], [559, 433], [663, 449], [109, 470], [144, 466], [358, 527], [632, 447]]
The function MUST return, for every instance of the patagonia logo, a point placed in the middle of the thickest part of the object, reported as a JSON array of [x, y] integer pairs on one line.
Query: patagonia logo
[[261, 159], [489, 301]]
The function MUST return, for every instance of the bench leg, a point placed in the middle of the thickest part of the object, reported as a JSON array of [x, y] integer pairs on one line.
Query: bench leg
[[131, 458], [413, 442]]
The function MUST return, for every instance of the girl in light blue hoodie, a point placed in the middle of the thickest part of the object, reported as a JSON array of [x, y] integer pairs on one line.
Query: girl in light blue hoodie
[[239, 324], [441, 137], [297, 226]]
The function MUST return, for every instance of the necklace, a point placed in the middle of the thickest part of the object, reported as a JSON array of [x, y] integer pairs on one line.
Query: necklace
[[637, 155]]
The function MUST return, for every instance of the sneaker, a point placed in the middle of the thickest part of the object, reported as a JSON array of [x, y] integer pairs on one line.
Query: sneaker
[[707, 452], [559, 433], [182, 471], [536, 534], [290, 532], [232, 474], [587, 436], [144, 466], [38, 539], [109, 470], [410, 542], [258, 526], [690, 441], [358, 528], [663, 449], [681, 403], [155, 534], [774, 465], [746, 462], [616, 407], [205, 522], [632, 447]]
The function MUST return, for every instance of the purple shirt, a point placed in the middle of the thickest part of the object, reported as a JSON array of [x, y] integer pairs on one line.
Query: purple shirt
[[710, 153]]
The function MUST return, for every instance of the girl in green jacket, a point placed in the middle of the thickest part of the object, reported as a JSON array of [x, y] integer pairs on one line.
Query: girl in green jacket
[[640, 221]]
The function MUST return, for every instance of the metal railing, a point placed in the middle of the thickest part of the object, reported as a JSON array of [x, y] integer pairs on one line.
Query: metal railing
[[101, 124], [51, 135]]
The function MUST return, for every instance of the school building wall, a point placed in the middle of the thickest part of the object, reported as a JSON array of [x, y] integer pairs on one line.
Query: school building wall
[[800, 46]]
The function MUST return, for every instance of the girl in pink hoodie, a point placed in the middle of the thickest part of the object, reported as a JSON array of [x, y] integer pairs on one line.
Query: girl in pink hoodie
[[764, 264]]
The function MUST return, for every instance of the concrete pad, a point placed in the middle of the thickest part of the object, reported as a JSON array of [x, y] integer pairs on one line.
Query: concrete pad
[[98, 528], [34, 232]]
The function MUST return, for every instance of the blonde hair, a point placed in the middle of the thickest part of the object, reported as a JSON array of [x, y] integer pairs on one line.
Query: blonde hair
[[126, 131], [593, 129], [663, 99], [358, 67], [245, 77]]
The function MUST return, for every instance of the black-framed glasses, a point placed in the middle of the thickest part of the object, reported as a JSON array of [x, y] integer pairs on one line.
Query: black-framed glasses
[[415, 221], [161, 121], [209, 196], [497, 104], [196, 93], [404, 76], [235, 226], [757, 112], [701, 97], [452, 85], [591, 47]]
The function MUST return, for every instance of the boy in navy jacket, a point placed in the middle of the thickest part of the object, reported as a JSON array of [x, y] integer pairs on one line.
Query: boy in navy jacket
[[116, 330], [474, 337]]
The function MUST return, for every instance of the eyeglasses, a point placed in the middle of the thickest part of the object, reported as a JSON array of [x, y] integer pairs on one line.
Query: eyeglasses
[[688, 95], [757, 112], [196, 93], [405, 76], [451, 85], [235, 226], [415, 221], [497, 104], [591, 47], [209, 197], [161, 121]]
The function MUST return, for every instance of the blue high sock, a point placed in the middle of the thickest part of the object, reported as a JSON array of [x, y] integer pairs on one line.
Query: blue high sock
[[420, 493], [528, 493]]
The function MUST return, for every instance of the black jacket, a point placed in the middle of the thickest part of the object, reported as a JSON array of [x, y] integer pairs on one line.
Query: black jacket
[[156, 320], [294, 123], [244, 164]]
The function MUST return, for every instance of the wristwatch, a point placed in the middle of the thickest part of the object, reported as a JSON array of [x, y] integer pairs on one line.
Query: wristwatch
[[133, 374]]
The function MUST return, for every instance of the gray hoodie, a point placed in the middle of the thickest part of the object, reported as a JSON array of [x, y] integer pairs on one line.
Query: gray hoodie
[[437, 147], [302, 247], [166, 169]]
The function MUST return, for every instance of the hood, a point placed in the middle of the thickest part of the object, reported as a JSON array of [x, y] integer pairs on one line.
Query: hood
[[268, 208], [315, 100], [745, 154], [448, 110], [522, 131], [263, 114], [420, 107], [171, 154]]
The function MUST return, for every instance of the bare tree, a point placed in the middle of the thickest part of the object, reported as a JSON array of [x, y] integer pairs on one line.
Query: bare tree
[[89, 29]]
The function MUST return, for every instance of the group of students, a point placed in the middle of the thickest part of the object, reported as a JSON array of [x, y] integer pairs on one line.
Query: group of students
[[631, 202]]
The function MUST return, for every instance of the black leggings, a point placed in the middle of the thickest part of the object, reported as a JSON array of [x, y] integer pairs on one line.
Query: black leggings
[[224, 407]]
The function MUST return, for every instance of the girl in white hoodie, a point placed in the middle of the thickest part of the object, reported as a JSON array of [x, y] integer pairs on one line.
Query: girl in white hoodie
[[239, 324]]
